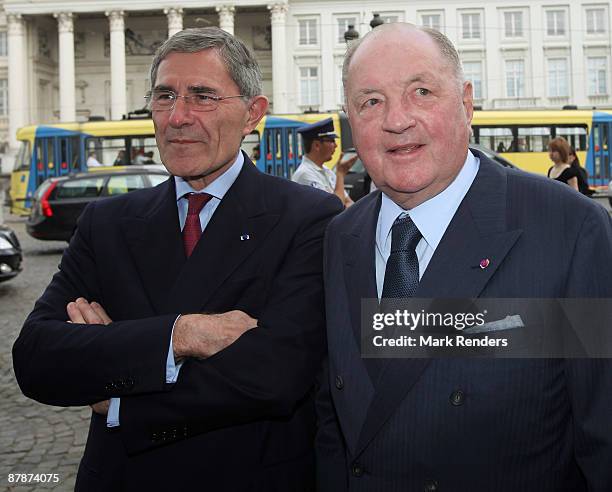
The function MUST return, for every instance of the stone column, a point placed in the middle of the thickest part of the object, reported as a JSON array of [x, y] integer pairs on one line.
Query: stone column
[[65, 28], [226, 17], [117, 54], [17, 85], [278, 12], [175, 20]]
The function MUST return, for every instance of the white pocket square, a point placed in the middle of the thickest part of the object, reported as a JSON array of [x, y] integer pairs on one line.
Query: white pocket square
[[509, 322]]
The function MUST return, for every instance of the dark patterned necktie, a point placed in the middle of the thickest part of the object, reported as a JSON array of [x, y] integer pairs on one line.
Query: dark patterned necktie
[[193, 230], [402, 271]]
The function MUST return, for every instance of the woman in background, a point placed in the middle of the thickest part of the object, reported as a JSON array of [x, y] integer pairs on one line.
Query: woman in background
[[558, 151]]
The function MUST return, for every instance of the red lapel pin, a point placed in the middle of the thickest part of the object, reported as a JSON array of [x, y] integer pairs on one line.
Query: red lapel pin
[[484, 263]]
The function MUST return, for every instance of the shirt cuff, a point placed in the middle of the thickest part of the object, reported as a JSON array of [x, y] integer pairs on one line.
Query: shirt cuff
[[112, 418], [172, 367]]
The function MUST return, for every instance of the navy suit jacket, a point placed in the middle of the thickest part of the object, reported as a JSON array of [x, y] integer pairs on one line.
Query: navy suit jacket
[[240, 420], [467, 425]]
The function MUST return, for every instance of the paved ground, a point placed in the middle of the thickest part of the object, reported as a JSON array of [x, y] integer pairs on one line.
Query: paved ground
[[34, 438]]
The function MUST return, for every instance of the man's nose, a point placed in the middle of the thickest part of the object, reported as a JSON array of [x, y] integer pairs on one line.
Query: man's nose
[[398, 117], [181, 114]]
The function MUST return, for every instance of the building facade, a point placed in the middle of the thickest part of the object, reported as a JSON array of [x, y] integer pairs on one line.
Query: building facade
[[67, 60]]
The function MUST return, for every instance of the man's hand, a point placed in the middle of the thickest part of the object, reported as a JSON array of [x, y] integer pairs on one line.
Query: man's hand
[[343, 167], [203, 335], [101, 407], [82, 311]]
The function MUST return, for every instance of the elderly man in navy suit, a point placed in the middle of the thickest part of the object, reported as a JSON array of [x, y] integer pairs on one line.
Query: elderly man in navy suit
[[450, 223], [190, 315]]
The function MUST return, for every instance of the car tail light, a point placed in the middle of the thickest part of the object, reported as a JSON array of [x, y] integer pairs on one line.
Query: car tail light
[[45, 206]]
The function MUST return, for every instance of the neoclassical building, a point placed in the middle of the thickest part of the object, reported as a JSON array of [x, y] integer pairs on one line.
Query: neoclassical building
[[66, 60]]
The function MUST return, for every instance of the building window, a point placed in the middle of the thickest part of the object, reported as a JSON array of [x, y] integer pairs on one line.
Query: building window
[[309, 86], [3, 45], [3, 97], [513, 22], [433, 21], [555, 22], [470, 26], [596, 21], [515, 78], [388, 19], [308, 32], [343, 23], [597, 67], [340, 85], [472, 70], [557, 77]]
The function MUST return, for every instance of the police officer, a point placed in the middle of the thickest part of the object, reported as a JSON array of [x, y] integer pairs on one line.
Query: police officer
[[319, 145]]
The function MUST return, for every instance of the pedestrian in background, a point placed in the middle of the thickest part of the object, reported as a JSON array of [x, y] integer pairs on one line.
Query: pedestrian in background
[[561, 170]]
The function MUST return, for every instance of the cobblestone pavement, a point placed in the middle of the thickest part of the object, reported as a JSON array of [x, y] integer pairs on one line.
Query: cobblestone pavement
[[34, 438]]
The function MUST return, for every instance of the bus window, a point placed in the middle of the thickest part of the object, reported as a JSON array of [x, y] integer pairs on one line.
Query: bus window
[[50, 156], [533, 139], [22, 161], [144, 151], [498, 139], [575, 135], [249, 143]]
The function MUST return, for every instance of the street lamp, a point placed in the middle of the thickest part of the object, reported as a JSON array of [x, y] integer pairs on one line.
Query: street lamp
[[376, 21], [351, 34]]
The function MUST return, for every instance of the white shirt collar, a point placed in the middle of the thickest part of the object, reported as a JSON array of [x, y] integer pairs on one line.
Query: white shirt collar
[[219, 187], [432, 216]]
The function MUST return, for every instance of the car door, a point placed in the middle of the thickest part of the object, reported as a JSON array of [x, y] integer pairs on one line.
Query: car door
[[72, 196]]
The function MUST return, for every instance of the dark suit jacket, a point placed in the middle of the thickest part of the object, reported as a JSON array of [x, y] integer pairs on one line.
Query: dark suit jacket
[[470, 425], [240, 420]]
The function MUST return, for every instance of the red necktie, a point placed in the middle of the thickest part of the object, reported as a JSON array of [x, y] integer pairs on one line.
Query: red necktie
[[193, 230]]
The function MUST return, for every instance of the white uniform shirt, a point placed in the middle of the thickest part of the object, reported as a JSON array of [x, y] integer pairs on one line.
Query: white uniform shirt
[[309, 174]]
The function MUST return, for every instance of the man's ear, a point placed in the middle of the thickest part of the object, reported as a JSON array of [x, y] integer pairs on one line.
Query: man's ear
[[258, 106], [468, 100]]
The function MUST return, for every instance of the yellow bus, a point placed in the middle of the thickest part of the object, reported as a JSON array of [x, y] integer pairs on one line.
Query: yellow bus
[[58, 149], [522, 137]]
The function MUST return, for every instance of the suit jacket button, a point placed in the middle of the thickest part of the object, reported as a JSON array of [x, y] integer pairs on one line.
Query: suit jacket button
[[339, 382], [457, 398], [357, 470], [431, 486]]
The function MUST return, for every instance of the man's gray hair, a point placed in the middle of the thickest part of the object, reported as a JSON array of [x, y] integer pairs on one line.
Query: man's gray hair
[[240, 63], [446, 47]]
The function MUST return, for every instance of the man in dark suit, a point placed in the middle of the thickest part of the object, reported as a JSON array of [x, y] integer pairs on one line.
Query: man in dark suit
[[198, 356], [471, 229]]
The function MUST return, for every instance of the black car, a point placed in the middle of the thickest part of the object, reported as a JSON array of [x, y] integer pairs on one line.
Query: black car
[[10, 254], [58, 202], [357, 182]]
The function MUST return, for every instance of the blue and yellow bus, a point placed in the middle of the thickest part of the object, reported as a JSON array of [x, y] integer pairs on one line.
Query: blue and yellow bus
[[55, 150], [520, 136]]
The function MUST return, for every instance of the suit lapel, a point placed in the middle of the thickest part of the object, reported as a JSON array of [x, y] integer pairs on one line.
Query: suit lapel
[[238, 226], [357, 245], [154, 241], [477, 232]]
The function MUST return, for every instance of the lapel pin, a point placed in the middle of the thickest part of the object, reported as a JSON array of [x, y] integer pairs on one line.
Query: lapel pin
[[245, 237], [484, 263]]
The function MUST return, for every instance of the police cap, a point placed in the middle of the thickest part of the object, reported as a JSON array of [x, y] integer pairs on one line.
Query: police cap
[[320, 129]]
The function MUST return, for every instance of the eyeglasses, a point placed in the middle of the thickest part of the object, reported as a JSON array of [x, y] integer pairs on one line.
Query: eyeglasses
[[166, 100]]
